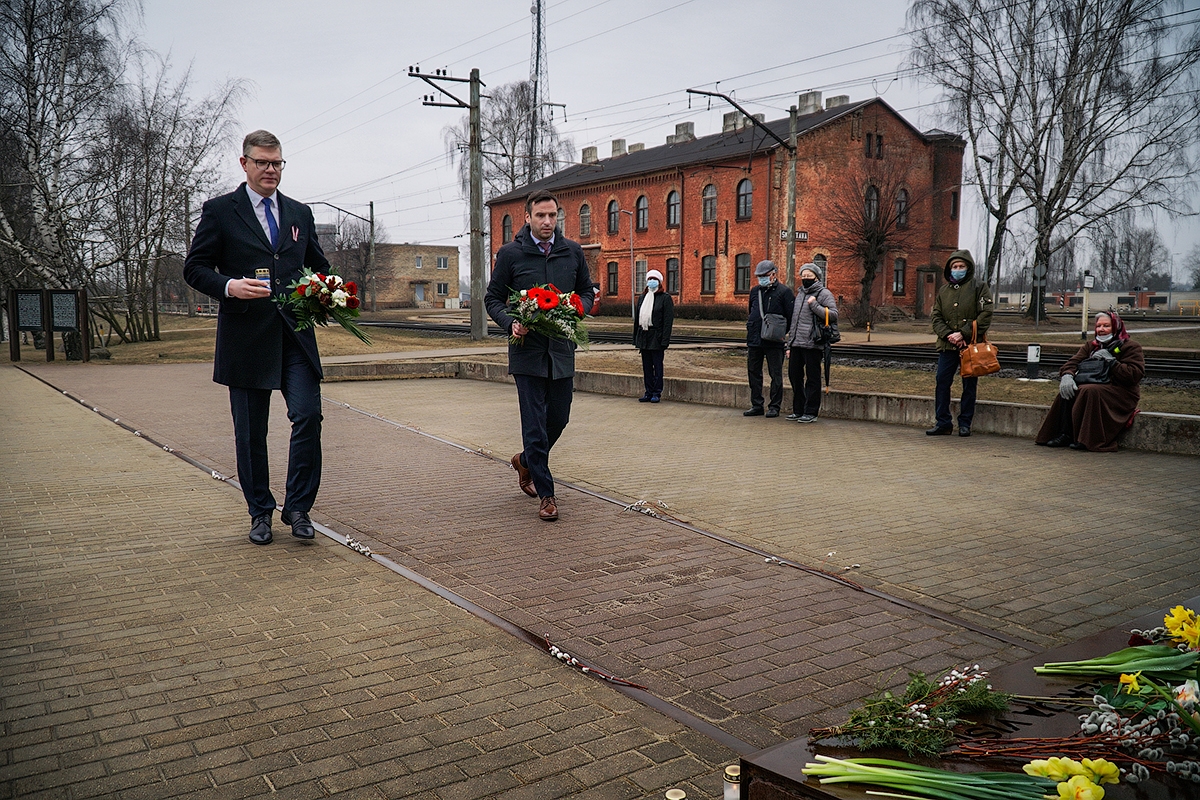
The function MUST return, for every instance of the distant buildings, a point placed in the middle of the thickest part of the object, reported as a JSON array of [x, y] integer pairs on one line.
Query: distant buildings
[[406, 275], [705, 210]]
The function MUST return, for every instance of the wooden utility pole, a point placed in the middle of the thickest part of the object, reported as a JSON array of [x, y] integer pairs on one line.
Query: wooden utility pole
[[478, 265], [791, 198]]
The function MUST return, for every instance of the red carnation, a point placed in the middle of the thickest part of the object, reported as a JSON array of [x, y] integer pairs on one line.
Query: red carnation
[[351, 302], [302, 289], [576, 303]]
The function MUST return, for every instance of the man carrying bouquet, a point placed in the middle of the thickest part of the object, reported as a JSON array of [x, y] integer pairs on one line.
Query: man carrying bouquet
[[249, 246], [543, 367]]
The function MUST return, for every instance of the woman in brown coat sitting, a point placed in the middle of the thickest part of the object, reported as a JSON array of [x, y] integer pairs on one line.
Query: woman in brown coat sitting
[[1098, 390]]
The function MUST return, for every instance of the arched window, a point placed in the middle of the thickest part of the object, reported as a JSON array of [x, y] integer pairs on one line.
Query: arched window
[[902, 208], [745, 199], [506, 230], [871, 204], [709, 204], [673, 209], [585, 220], [643, 213], [821, 261], [614, 217], [673, 275]]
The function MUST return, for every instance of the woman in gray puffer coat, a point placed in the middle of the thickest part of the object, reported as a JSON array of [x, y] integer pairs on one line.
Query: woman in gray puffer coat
[[812, 302]]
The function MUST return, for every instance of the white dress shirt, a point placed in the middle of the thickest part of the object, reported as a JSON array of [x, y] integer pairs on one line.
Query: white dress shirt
[[260, 211]]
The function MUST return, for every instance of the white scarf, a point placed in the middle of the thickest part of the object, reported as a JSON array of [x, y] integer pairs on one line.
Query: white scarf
[[646, 310]]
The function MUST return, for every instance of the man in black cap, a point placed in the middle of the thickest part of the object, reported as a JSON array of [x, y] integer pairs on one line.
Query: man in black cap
[[769, 298]]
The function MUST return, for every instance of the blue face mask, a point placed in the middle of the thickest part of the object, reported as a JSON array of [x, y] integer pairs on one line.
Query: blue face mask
[[958, 274], [652, 284], [764, 280]]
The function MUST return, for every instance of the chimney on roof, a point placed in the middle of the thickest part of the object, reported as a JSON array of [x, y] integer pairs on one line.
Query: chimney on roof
[[837, 100], [810, 102], [637, 147], [685, 132], [729, 122], [618, 146], [591, 155], [759, 117]]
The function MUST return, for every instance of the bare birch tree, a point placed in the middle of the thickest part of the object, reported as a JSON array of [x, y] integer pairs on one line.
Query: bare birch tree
[[505, 118], [1082, 108]]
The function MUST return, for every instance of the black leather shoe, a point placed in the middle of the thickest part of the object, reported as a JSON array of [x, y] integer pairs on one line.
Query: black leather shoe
[[940, 431], [1062, 440], [771, 412], [963, 430], [645, 398], [753, 412], [260, 529], [1077, 446], [302, 527]]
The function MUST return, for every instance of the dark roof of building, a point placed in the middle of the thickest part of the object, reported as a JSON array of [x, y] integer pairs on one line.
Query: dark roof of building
[[706, 149]]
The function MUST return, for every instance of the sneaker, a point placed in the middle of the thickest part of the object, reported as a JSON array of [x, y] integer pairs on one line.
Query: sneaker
[[807, 418], [792, 417]]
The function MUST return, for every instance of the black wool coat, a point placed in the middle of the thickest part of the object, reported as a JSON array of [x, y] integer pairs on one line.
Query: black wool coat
[[658, 335], [521, 265], [230, 243], [778, 299]]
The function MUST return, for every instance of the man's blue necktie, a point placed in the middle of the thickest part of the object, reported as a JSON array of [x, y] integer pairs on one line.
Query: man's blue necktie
[[271, 226]]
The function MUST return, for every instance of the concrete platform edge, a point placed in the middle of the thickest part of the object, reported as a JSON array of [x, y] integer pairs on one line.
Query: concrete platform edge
[[1176, 434]]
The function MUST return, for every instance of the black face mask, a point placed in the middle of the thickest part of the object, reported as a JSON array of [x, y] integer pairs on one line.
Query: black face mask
[[807, 282]]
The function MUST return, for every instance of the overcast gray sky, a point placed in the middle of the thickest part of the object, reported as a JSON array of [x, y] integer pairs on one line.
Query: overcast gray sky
[[330, 79]]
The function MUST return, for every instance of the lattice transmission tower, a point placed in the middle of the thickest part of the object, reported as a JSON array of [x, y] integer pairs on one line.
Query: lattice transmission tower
[[539, 79]]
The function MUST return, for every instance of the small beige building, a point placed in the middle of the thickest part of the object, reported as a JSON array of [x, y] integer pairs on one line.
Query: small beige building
[[414, 276]]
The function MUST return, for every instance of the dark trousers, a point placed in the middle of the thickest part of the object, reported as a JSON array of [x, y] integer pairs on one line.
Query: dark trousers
[[301, 389], [754, 362], [805, 365], [652, 371], [948, 364], [545, 411]]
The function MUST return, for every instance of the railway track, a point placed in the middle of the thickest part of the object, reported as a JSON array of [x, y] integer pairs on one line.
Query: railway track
[[1182, 369]]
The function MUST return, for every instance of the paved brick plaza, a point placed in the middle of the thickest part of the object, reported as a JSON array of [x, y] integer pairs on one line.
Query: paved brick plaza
[[153, 648]]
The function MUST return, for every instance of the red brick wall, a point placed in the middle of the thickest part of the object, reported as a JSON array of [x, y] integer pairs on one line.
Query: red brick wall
[[824, 157]]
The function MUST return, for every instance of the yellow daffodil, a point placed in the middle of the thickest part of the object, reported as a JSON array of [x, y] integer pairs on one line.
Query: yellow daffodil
[[1177, 618], [1131, 682], [1079, 788], [1189, 634], [1055, 768], [1102, 771], [1188, 693]]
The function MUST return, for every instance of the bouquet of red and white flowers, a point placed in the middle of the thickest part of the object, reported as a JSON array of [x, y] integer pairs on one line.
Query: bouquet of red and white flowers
[[546, 310], [317, 298]]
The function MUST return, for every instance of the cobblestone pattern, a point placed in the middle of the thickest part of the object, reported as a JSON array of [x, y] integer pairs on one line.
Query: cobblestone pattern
[[148, 651], [762, 651], [1044, 545]]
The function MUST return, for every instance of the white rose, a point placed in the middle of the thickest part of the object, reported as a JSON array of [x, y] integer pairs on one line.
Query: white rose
[[339, 298]]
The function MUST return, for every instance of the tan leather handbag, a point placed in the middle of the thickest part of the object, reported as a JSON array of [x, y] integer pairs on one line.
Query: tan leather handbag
[[979, 358]]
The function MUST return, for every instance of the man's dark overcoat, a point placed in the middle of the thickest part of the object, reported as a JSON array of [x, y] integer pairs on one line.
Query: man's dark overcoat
[[230, 243], [521, 265]]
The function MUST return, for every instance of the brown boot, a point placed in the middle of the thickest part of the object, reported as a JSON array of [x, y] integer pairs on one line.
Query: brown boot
[[549, 509], [524, 479]]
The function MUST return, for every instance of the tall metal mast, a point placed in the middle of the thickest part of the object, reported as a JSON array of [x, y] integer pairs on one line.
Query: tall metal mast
[[539, 80]]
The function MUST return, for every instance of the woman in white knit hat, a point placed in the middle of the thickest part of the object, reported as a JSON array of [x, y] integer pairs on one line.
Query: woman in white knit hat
[[652, 320]]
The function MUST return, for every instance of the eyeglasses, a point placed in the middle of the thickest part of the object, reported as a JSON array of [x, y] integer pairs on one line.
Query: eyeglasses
[[261, 164]]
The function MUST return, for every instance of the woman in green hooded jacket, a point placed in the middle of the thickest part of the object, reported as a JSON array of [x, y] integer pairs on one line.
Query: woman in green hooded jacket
[[959, 303]]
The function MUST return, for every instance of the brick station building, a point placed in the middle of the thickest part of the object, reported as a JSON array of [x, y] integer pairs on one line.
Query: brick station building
[[705, 210]]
